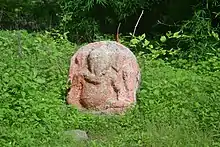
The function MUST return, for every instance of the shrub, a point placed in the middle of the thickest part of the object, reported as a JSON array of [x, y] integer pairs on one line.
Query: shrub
[[33, 75], [175, 107], [196, 45]]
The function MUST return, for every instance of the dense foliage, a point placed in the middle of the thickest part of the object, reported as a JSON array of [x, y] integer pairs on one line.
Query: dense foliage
[[28, 14], [179, 96], [175, 107], [82, 18], [195, 45]]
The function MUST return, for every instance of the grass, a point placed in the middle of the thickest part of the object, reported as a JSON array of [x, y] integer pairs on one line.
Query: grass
[[176, 107]]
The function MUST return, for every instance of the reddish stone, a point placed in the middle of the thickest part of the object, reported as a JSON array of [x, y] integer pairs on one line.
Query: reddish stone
[[104, 76]]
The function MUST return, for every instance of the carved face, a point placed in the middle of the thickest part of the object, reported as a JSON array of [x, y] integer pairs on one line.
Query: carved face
[[99, 61]]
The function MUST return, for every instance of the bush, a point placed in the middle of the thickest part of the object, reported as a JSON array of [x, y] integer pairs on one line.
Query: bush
[[175, 107], [33, 76], [196, 45], [29, 14], [84, 20]]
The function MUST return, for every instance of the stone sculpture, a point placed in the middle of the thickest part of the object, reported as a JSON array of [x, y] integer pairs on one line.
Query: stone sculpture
[[104, 76]]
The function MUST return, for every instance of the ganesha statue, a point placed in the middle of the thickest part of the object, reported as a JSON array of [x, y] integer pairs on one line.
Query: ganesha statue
[[104, 76]]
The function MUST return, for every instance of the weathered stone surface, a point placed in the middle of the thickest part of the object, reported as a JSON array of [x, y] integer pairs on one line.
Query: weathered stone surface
[[104, 76]]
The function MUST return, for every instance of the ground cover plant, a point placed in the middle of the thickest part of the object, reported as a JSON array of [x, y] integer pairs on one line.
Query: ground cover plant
[[176, 107]]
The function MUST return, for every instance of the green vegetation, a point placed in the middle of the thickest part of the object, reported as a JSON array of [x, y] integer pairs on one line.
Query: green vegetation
[[176, 107], [196, 45], [81, 18], [179, 96]]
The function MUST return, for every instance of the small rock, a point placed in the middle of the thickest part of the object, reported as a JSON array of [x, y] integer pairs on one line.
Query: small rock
[[78, 135]]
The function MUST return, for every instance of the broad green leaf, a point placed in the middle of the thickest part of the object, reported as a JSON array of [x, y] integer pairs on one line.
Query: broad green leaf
[[141, 37], [40, 80], [163, 38], [156, 92], [135, 41], [146, 43], [176, 34]]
